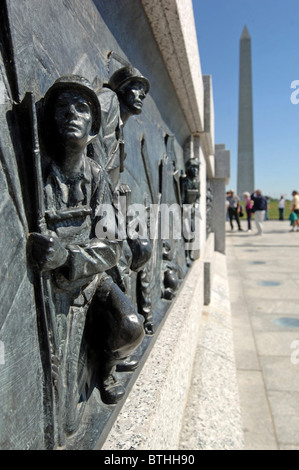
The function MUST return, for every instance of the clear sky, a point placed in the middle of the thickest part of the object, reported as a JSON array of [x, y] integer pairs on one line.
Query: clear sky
[[274, 29]]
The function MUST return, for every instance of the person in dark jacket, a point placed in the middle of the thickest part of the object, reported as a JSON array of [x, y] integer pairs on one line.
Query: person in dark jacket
[[259, 209]]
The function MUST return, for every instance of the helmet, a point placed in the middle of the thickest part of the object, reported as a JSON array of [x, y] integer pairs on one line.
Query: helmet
[[192, 162], [126, 75], [80, 84]]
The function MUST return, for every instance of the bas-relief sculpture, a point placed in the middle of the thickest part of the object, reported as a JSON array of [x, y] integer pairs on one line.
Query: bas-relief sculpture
[[209, 204], [121, 98], [190, 188], [91, 333], [90, 327]]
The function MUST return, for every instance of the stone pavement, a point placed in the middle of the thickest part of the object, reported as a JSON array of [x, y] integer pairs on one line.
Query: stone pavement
[[263, 277], [212, 419]]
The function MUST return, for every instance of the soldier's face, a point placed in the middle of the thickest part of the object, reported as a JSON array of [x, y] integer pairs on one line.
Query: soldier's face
[[133, 96], [193, 171], [73, 116]]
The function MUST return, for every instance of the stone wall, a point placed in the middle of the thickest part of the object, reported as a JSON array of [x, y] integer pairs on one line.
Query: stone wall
[[41, 41]]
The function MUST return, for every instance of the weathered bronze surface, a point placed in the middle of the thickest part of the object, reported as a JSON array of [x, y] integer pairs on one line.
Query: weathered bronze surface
[[90, 268], [93, 324]]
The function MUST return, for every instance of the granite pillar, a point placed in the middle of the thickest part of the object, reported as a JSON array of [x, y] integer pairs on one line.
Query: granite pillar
[[218, 183]]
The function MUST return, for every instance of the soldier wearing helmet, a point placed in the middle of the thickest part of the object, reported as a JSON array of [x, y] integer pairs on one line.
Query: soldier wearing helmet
[[120, 98], [131, 88], [75, 187]]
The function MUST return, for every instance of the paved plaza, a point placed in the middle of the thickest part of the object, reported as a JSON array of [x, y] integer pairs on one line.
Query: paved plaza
[[263, 279]]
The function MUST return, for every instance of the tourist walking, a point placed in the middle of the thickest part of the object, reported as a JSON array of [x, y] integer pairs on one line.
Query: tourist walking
[[267, 209], [259, 209], [295, 209], [227, 205], [292, 218], [281, 205], [233, 208], [248, 208]]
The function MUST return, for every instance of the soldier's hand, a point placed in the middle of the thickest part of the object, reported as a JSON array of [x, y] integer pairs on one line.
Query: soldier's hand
[[124, 189], [47, 251], [141, 253]]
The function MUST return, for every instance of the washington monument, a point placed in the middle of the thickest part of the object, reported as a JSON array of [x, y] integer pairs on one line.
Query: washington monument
[[245, 134]]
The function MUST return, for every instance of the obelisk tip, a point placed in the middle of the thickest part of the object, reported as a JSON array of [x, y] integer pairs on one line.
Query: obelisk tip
[[245, 33]]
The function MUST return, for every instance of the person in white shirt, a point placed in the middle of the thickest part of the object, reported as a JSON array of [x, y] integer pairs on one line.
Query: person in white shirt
[[281, 205]]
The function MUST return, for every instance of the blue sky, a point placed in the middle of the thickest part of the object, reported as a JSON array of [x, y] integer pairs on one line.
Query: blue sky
[[274, 29]]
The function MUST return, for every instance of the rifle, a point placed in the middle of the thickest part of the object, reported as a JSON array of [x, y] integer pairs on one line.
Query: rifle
[[45, 307]]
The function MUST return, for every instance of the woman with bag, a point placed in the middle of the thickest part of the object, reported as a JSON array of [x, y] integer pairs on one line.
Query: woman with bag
[[249, 209]]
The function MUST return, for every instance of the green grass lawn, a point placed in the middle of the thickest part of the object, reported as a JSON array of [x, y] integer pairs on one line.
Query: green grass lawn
[[273, 210], [273, 213]]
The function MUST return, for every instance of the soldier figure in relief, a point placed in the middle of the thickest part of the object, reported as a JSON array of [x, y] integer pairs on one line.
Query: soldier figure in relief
[[75, 187], [121, 98]]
